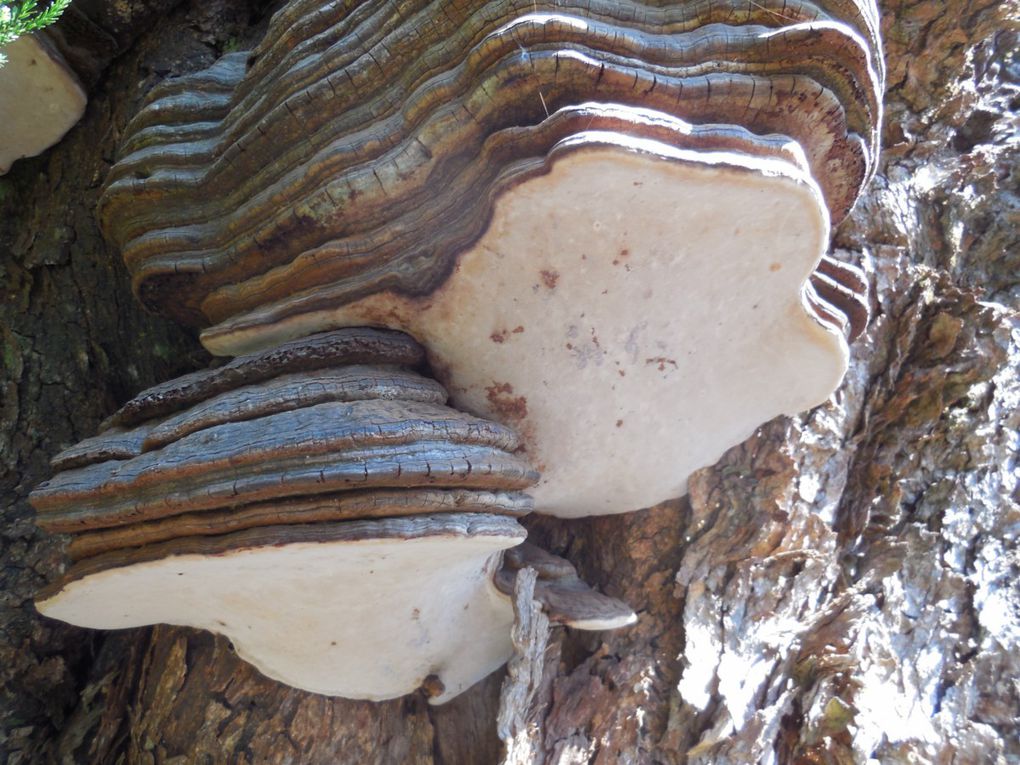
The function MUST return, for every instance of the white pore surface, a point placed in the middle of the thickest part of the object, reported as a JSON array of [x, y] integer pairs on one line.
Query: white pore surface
[[633, 313], [40, 100], [596, 625], [362, 620]]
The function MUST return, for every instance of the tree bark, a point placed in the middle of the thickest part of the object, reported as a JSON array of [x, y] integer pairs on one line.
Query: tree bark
[[842, 587]]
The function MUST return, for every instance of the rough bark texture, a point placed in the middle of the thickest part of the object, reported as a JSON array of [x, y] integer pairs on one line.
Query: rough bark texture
[[840, 587]]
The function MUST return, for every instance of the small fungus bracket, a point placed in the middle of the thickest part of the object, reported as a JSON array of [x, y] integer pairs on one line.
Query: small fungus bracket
[[41, 98]]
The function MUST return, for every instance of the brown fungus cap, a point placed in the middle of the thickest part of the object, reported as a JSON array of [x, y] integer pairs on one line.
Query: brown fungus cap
[[344, 506], [315, 450], [376, 135], [296, 391], [564, 597], [357, 345], [114, 443]]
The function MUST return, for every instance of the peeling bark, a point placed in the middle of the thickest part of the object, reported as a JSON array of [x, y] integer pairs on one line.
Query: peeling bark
[[840, 587]]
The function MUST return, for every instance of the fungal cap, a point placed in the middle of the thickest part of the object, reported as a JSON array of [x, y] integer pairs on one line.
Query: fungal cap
[[40, 99], [362, 609], [565, 598]]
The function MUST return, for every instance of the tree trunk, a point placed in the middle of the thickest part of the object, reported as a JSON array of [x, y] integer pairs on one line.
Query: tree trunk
[[841, 587]]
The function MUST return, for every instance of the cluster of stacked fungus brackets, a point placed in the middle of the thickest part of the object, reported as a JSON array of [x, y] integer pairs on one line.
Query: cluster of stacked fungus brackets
[[324, 488], [606, 224]]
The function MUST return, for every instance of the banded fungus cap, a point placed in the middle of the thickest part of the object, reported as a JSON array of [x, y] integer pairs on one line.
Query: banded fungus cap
[[306, 419], [41, 98], [565, 598]]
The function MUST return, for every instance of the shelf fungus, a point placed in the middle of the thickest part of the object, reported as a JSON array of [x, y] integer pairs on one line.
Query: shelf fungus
[[41, 98], [606, 224], [320, 486], [605, 221]]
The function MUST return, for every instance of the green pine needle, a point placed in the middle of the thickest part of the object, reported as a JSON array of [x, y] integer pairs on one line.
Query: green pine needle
[[22, 17]]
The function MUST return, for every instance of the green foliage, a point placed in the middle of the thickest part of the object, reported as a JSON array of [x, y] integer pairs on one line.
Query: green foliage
[[20, 17]]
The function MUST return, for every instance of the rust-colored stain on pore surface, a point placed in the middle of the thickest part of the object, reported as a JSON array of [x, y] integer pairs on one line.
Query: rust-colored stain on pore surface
[[500, 336], [550, 278], [504, 403]]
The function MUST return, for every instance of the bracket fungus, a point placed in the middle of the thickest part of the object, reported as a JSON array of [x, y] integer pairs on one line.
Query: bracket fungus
[[603, 220], [41, 98], [322, 483], [605, 223]]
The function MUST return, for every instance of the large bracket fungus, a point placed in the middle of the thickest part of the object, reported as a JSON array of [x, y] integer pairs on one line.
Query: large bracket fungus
[[600, 218], [606, 224]]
